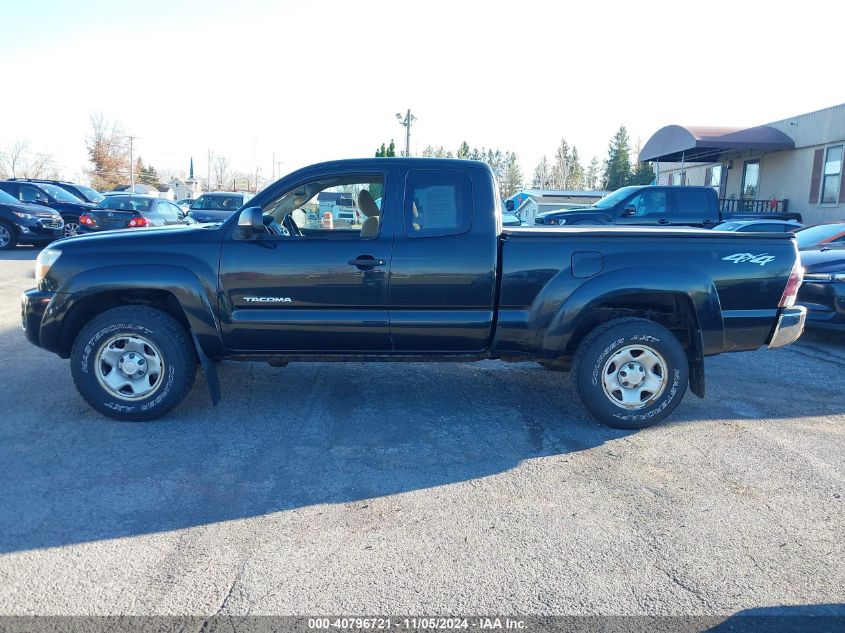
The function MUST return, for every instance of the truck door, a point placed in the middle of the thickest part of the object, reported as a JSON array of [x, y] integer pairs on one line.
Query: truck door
[[650, 206], [443, 274], [316, 286]]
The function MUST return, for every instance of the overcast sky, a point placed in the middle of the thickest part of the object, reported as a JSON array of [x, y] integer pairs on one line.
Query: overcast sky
[[318, 80]]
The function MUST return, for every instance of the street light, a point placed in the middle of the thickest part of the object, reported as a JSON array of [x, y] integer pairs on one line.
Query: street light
[[407, 121]]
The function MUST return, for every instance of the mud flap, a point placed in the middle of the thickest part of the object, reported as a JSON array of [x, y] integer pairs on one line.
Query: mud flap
[[696, 377], [210, 371]]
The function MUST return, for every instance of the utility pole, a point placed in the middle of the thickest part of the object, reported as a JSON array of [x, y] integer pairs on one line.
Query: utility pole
[[208, 184], [277, 163], [407, 121], [131, 165]]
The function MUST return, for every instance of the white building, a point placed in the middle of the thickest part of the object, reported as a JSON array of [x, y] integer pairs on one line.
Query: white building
[[790, 165]]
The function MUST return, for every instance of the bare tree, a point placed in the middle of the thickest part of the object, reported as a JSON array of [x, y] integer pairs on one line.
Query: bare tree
[[37, 167], [108, 154], [220, 167], [15, 156]]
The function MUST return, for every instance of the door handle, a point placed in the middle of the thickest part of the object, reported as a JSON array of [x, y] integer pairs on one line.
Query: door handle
[[366, 262], [663, 221]]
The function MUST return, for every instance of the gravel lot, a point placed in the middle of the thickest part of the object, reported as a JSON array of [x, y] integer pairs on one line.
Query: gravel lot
[[420, 489]]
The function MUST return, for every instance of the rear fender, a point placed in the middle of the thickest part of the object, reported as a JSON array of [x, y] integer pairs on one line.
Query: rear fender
[[616, 284]]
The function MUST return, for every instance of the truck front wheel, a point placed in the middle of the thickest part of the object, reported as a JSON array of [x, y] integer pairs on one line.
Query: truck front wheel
[[133, 363], [630, 373]]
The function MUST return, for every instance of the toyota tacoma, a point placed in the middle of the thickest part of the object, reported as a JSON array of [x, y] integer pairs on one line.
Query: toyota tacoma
[[430, 274]]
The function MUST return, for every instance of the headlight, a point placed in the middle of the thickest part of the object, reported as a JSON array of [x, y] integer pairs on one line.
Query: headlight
[[44, 262], [25, 216], [824, 277]]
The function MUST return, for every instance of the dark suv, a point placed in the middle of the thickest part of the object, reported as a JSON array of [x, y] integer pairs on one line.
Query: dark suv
[[83, 192], [49, 195], [27, 223]]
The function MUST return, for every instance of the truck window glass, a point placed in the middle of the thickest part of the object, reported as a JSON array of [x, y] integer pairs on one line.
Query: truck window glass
[[693, 202], [649, 202], [337, 207], [437, 203]]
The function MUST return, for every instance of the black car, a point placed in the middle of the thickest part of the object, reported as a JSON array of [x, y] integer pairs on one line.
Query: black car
[[27, 223], [130, 212], [823, 289], [216, 206], [821, 234], [68, 205], [83, 192]]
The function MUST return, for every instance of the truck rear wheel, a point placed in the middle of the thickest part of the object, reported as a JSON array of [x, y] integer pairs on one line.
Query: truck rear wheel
[[133, 363], [630, 373]]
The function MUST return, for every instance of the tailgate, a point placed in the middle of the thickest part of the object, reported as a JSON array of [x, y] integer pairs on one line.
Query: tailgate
[[113, 219]]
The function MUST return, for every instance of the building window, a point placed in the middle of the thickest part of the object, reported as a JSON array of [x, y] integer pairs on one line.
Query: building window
[[715, 177], [750, 179], [831, 174]]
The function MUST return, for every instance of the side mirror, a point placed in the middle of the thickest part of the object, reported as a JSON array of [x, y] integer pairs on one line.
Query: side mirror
[[629, 212], [509, 205], [251, 220]]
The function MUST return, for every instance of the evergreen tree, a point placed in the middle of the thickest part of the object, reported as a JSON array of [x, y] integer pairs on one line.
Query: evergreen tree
[[576, 171], [463, 150], [386, 152], [591, 177], [542, 175], [560, 169], [643, 174], [511, 180], [617, 167]]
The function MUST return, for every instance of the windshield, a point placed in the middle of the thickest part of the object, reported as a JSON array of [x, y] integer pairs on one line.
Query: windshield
[[59, 194], [8, 198], [611, 199], [818, 234], [125, 203], [217, 203], [93, 196]]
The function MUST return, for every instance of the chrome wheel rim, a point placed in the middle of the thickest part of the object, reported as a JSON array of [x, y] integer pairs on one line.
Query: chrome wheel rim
[[129, 367], [5, 237], [634, 377], [71, 229]]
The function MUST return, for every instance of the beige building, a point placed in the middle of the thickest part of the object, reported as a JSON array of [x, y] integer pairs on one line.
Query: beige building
[[791, 165]]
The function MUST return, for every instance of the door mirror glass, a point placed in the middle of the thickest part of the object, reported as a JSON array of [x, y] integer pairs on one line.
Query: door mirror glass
[[509, 205], [251, 220]]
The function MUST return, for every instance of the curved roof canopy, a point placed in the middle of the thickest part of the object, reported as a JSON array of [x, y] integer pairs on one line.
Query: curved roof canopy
[[696, 144]]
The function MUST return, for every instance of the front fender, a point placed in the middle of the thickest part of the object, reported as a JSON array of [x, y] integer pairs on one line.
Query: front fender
[[612, 285], [193, 296]]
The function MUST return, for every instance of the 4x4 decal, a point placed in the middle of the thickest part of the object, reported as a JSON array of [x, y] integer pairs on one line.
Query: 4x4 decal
[[749, 258]]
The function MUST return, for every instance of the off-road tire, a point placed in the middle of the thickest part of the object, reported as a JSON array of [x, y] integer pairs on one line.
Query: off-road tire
[[165, 332], [608, 339]]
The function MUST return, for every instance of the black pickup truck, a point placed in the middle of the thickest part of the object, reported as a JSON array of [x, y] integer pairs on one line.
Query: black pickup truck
[[429, 274], [649, 205]]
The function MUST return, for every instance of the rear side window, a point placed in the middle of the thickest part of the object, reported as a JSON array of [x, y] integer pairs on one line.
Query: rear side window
[[437, 203], [694, 202]]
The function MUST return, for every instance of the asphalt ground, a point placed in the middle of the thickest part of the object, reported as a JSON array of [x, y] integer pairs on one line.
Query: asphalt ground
[[469, 488]]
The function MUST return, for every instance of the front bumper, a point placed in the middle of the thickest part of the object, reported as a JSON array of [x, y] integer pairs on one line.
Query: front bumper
[[42, 230], [33, 306], [789, 327]]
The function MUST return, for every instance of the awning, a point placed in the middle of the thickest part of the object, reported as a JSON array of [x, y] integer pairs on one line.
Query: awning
[[705, 144]]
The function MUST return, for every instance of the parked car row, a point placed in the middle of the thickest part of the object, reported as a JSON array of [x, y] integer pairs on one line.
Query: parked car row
[[38, 211]]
